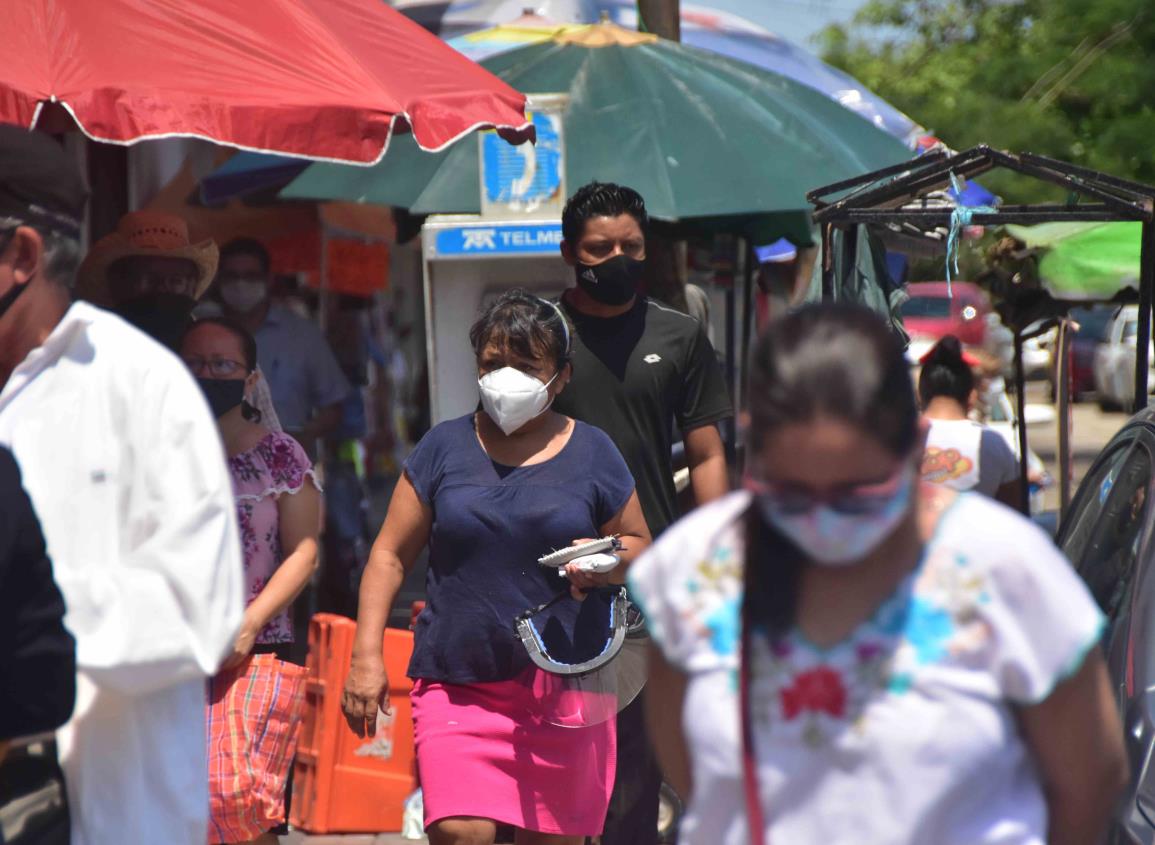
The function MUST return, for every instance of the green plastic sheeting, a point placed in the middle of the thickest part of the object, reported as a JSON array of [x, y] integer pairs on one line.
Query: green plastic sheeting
[[1085, 261], [697, 134]]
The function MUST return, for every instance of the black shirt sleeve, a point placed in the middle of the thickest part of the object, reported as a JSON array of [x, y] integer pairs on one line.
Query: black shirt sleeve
[[37, 654], [704, 399]]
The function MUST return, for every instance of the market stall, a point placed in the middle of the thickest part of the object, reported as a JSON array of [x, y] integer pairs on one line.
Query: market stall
[[887, 200]]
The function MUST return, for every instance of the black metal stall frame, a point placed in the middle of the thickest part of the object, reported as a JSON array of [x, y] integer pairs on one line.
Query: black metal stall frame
[[881, 197]]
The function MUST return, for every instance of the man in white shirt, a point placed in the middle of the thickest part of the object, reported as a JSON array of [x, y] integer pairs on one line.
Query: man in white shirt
[[121, 457]]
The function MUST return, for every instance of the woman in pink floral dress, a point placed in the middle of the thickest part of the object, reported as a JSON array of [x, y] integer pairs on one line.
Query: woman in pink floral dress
[[255, 702]]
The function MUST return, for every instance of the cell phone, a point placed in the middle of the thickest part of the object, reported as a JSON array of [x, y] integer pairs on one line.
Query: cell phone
[[563, 556]]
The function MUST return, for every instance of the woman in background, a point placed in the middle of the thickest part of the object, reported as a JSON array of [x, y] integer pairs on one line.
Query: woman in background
[[960, 453], [256, 702]]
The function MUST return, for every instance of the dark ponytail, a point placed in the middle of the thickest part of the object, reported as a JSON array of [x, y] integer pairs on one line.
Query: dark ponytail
[[838, 361], [946, 373]]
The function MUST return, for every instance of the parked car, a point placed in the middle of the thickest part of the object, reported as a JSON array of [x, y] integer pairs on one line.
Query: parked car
[[1114, 364], [1106, 534], [934, 311]]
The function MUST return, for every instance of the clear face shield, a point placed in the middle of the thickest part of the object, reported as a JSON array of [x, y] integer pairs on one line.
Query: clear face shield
[[589, 656]]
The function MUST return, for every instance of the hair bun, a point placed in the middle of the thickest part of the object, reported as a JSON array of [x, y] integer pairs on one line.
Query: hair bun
[[948, 351]]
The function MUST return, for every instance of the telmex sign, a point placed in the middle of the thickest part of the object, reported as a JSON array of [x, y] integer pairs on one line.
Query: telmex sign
[[498, 240]]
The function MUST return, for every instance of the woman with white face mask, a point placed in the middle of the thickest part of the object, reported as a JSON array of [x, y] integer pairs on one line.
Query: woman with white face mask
[[848, 655], [490, 493]]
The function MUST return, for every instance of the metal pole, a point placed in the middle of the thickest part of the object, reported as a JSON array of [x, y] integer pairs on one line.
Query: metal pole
[[731, 340], [1146, 283], [661, 17], [828, 262], [1063, 394], [747, 312], [108, 179], [1021, 422]]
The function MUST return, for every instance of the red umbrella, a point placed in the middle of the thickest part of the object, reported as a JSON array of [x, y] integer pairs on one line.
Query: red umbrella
[[325, 79]]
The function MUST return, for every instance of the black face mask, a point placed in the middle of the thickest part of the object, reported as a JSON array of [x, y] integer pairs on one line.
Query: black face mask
[[223, 394], [613, 282], [164, 317]]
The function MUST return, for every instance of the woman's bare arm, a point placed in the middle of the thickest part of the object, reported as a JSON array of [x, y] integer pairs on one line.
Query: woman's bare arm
[[1077, 742], [298, 524], [404, 534]]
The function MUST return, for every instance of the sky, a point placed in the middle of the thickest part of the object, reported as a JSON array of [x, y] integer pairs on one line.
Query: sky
[[794, 20]]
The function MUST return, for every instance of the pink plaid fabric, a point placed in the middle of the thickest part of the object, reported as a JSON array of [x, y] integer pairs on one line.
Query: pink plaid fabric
[[254, 716]]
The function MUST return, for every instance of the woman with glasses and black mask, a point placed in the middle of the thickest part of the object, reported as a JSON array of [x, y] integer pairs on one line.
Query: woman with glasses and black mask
[[257, 700], [490, 493], [846, 654]]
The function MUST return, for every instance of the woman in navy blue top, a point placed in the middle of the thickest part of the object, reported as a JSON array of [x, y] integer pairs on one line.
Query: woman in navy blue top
[[490, 493]]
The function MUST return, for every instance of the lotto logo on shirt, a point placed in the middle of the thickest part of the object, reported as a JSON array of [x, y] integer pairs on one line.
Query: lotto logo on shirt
[[942, 465]]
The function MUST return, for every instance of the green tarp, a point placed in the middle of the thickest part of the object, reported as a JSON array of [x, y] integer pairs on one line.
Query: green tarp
[[1085, 261]]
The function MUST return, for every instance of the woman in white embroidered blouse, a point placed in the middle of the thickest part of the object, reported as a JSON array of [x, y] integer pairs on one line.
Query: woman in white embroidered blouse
[[857, 657]]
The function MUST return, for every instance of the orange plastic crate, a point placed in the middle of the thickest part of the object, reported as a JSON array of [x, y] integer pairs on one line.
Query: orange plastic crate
[[342, 783]]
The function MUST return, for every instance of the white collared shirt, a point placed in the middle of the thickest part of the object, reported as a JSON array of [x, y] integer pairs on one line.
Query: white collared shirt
[[124, 465]]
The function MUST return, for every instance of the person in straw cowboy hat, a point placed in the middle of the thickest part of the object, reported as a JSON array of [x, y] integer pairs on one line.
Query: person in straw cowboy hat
[[150, 273]]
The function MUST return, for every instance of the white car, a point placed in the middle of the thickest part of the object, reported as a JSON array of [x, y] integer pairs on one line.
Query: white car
[[1114, 367]]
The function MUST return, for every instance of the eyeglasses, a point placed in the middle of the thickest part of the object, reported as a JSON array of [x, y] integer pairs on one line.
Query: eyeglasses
[[240, 277], [150, 281], [215, 367], [856, 500]]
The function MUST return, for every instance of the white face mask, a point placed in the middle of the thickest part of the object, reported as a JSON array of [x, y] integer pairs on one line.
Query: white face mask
[[513, 398], [244, 296]]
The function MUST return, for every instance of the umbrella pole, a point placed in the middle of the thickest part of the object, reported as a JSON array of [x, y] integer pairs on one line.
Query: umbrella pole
[[747, 310], [1063, 393], [108, 182], [1146, 282], [1021, 413]]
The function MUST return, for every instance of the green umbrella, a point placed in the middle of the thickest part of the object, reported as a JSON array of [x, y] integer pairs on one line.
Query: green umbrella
[[697, 134], [1085, 261]]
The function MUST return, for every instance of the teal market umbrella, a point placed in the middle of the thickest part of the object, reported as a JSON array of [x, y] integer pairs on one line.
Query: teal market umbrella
[[697, 134]]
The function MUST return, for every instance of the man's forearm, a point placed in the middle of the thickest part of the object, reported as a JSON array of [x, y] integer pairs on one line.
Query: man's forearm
[[708, 479]]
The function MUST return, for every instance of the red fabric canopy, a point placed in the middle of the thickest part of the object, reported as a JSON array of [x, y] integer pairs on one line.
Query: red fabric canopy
[[325, 79]]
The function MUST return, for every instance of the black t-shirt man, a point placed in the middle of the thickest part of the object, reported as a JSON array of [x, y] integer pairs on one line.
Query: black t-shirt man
[[638, 368], [636, 376]]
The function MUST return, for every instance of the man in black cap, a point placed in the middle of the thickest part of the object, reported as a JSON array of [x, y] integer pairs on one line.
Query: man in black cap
[[122, 461]]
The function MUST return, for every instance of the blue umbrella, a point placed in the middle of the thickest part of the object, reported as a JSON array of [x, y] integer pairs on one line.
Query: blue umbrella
[[768, 51], [246, 173]]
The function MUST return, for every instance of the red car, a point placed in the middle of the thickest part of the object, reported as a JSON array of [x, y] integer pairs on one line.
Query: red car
[[931, 313]]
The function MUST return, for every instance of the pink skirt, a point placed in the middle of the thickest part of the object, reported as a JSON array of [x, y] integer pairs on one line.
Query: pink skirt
[[484, 751]]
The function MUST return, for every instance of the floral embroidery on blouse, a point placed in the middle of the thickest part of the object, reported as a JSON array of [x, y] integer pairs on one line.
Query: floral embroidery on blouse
[[812, 693], [275, 466]]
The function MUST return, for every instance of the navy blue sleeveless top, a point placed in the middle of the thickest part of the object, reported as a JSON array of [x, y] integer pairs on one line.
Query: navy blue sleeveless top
[[490, 525]]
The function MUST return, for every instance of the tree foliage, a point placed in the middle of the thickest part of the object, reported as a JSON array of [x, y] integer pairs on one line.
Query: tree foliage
[[1074, 79]]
